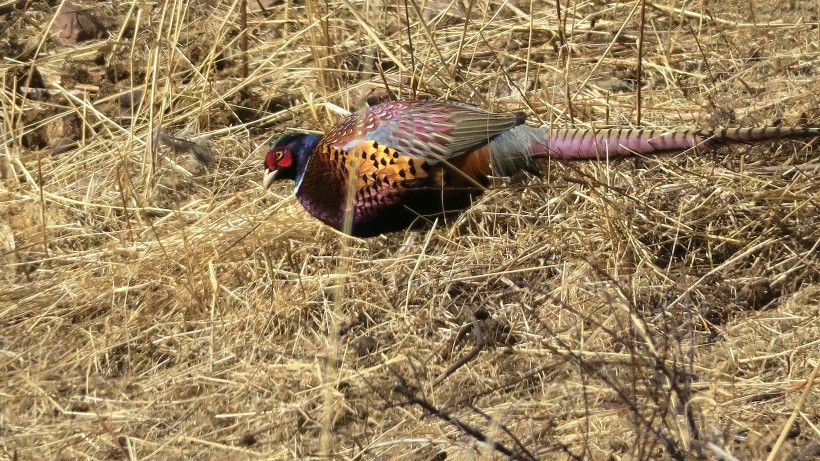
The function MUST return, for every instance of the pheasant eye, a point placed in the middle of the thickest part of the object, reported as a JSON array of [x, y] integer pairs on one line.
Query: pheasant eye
[[283, 158]]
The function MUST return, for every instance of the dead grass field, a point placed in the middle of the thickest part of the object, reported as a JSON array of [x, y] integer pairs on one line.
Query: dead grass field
[[155, 304]]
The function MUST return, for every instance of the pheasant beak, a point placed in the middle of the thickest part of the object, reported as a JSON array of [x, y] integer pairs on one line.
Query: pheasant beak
[[267, 180]]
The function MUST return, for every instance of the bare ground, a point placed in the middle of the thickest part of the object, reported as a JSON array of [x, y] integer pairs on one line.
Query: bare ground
[[155, 304]]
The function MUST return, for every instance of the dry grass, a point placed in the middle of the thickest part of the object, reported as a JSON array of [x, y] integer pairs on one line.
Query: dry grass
[[154, 304]]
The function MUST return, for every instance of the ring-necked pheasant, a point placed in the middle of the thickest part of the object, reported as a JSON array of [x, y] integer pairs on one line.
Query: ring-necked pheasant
[[390, 164]]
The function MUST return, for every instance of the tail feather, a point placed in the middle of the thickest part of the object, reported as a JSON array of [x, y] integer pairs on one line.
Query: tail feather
[[770, 133], [516, 149], [576, 144]]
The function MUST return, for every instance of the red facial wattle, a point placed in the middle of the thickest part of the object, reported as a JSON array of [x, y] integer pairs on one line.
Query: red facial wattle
[[270, 161], [285, 160], [278, 159]]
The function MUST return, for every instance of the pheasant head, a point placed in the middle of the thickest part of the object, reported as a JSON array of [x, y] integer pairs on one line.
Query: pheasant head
[[288, 157]]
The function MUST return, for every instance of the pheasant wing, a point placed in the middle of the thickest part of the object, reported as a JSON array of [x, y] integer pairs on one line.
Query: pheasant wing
[[432, 130]]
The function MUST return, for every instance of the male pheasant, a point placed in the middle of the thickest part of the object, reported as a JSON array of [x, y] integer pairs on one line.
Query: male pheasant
[[397, 163]]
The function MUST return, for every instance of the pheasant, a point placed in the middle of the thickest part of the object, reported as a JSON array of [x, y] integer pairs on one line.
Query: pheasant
[[397, 163]]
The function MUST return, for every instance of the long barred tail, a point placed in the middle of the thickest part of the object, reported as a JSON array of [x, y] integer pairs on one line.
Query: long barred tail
[[515, 149], [615, 142]]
